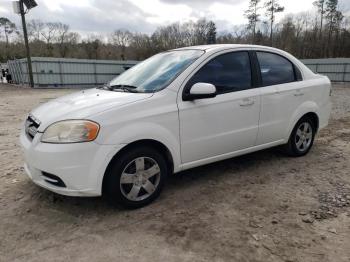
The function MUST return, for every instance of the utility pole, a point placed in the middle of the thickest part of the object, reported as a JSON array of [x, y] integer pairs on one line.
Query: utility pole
[[19, 8]]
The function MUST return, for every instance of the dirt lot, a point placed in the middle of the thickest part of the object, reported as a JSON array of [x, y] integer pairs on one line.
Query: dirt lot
[[260, 207]]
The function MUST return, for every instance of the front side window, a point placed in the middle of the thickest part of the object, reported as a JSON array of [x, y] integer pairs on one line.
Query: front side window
[[156, 72], [228, 73], [275, 69]]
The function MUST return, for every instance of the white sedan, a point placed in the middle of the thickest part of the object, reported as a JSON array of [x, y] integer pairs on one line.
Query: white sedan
[[176, 110]]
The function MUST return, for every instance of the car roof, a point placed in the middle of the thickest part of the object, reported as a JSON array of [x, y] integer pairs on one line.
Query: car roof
[[224, 46]]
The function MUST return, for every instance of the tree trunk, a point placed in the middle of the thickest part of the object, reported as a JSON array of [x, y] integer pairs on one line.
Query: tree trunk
[[272, 20], [7, 39], [254, 33], [271, 41], [321, 26]]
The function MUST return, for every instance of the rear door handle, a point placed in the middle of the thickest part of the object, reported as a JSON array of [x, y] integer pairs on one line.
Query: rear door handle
[[247, 102], [298, 93]]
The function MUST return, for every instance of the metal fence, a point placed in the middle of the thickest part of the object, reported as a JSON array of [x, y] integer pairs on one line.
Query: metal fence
[[337, 69], [66, 72]]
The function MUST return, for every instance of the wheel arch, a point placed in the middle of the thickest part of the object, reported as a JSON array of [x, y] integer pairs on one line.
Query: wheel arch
[[314, 117], [312, 114], [159, 146]]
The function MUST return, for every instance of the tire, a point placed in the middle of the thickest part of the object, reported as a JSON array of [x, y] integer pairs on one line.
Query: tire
[[136, 178], [301, 138]]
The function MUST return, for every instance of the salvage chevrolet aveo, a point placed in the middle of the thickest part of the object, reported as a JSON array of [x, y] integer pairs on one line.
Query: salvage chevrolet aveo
[[176, 110]]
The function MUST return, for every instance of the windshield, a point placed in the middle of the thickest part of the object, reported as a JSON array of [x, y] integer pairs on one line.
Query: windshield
[[156, 72]]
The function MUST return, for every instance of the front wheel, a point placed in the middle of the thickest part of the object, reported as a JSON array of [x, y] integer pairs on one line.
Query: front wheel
[[301, 138], [136, 178]]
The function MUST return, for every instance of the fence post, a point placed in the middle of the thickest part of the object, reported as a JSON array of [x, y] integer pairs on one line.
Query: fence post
[[344, 73], [19, 65], [36, 73], [95, 72], [316, 68], [61, 73]]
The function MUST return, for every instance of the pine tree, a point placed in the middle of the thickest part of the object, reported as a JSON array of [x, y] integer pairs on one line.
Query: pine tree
[[8, 28], [334, 18], [211, 33], [320, 5], [253, 16], [272, 7]]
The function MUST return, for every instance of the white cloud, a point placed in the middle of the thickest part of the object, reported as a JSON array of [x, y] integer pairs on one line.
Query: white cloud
[[163, 13], [101, 16], [3, 10], [58, 5]]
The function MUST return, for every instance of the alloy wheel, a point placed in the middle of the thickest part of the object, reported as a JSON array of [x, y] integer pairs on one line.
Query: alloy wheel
[[303, 136], [140, 179]]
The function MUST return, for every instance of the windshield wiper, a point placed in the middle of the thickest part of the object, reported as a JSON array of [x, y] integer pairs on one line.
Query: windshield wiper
[[127, 88]]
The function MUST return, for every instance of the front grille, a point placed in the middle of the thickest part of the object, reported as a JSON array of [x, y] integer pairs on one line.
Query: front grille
[[53, 180], [31, 126]]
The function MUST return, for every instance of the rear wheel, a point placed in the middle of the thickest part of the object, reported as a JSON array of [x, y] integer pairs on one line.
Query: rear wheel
[[301, 138], [136, 178]]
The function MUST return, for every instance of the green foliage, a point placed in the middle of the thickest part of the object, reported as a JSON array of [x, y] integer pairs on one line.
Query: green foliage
[[253, 16], [334, 17], [299, 34], [272, 7], [211, 33], [8, 28]]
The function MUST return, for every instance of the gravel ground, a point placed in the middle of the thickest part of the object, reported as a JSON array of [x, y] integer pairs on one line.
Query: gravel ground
[[259, 207]]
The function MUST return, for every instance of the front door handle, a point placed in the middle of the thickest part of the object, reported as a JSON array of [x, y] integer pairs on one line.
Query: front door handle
[[247, 102]]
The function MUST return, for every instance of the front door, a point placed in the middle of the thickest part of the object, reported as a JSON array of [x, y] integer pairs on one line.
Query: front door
[[226, 123]]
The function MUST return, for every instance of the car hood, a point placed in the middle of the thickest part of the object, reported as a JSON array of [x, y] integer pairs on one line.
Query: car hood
[[81, 105]]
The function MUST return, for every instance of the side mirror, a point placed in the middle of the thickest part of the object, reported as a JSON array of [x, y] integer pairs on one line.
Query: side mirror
[[200, 91]]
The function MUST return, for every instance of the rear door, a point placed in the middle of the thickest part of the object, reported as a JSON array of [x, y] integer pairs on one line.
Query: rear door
[[281, 94], [226, 123]]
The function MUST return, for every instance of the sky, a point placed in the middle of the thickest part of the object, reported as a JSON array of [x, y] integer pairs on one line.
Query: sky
[[104, 16]]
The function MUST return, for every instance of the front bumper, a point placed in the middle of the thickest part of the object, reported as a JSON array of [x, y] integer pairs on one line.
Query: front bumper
[[80, 166]]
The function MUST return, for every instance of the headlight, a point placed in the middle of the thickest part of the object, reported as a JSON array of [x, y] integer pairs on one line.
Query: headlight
[[71, 131]]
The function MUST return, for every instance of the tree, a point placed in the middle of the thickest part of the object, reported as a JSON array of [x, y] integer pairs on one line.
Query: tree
[[240, 33], [211, 34], [298, 34], [49, 32], [62, 37], [169, 37], [253, 16], [8, 28], [122, 39], [178, 35], [92, 46], [67, 42], [200, 32], [142, 46], [272, 7], [320, 5], [287, 35], [334, 18], [35, 27]]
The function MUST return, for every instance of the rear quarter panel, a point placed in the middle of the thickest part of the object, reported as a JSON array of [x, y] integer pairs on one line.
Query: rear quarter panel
[[316, 100]]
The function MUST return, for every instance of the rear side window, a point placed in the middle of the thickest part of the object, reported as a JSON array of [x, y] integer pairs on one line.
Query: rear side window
[[275, 69], [228, 73]]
